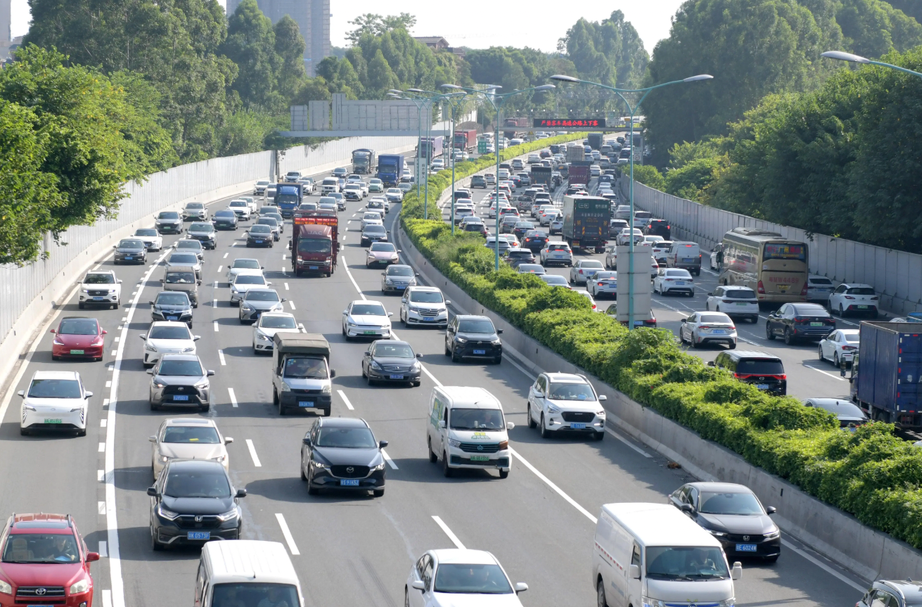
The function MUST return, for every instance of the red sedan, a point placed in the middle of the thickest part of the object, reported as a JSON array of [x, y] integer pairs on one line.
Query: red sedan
[[78, 337]]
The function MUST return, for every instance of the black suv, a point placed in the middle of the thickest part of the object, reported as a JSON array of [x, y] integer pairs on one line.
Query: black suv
[[659, 227], [800, 322], [763, 370], [473, 337], [902, 593], [478, 181]]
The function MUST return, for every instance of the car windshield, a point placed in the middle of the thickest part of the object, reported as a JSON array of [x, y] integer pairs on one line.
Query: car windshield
[[145, 232], [131, 244], [400, 271], [277, 322], [372, 216], [172, 299], [368, 310], [168, 215], [686, 563], [740, 294], [678, 274], [262, 296], [570, 391], [554, 280], [718, 318], [314, 245], [205, 435], [247, 264], [477, 419], [41, 548], [346, 438], [305, 368], [383, 246], [237, 203], [78, 326], [181, 368], [249, 279], [375, 229], [267, 221], [224, 215], [169, 333], [260, 228], [99, 279], [453, 578], [851, 337], [251, 594], [201, 483], [183, 259], [764, 366], [54, 388], [729, 503], [201, 227], [476, 326], [820, 281], [180, 278], [426, 296], [189, 244], [195, 205]]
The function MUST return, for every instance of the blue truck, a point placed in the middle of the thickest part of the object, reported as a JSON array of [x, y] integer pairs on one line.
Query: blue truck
[[885, 376], [288, 197], [390, 168]]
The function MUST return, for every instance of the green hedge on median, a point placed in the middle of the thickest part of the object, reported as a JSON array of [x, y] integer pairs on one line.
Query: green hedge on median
[[870, 473]]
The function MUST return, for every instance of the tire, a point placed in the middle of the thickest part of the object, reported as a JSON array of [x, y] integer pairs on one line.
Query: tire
[[454, 357], [733, 346], [754, 319], [154, 544], [447, 350], [819, 351], [768, 332], [446, 469], [788, 337], [545, 433], [841, 311], [154, 407], [275, 398], [281, 409], [25, 432], [600, 594], [599, 436], [707, 306], [835, 360], [693, 342], [311, 489], [504, 474], [531, 422], [378, 492], [497, 360], [81, 305]]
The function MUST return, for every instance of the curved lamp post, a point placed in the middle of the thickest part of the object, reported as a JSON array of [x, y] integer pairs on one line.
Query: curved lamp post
[[633, 108], [843, 56]]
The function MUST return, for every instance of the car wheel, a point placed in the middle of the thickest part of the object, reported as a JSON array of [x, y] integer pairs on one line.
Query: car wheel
[[503, 473], [693, 340], [81, 305], [835, 359], [545, 433], [446, 469], [600, 594], [733, 345], [154, 406], [311, 489], [707, 306], [454, 357], [769, 335], [154, 544], [531, 421], [754, 319], [433, 458], [788, 337], [819, 351], [841, 311], [497, 360]]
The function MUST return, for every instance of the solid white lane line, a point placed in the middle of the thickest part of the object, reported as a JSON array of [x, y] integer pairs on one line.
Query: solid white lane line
[[286, 532], [103, 549], [839, 576], [233, 397], [252, 449], [101, 508], [388, 459], [346, 400], [628, 443], [221, 357], [836, 377], [454, 538], [215, 324], [554, 487], [292, 304]]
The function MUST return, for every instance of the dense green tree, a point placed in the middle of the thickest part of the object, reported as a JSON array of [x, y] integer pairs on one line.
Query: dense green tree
[[610, 51], [649, 175], [913, 8], [250, 44], [873, 28], [289, 47], [371, 24]]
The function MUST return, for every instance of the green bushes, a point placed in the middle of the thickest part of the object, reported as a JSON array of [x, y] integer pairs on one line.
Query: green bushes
[[869, 473]]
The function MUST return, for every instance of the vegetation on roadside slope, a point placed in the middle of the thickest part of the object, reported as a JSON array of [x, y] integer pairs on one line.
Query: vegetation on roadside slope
[[869, 473]]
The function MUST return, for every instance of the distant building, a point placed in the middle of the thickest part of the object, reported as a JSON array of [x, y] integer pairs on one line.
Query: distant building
[[6, 34], [436, 43], [312, 17]]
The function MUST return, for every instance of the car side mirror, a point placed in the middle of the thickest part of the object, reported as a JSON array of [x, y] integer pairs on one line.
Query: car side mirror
[[737, 572], [92, 557], [53, 331], [114, 246], [442, 423], [241, 493], [635, 572], [683, 320], [771, 510], [198, 282], [306, 440], [687, 508], [150, 302], [419, 585], [332, 373], [419, 355], [711, 293], [520, 587], [152, 491], [602, 397], [210, 373], [510, 425], [447, 302], [150, 371], [161, 281], [196, 337], [499, 331], [710, 363], [382, 444], [143, 336]]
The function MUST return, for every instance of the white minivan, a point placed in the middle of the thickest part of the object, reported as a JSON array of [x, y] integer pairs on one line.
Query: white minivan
[[467, 429], [329, 186], [246, 572], [653, 554]]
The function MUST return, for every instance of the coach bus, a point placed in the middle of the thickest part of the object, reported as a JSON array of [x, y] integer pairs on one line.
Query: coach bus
[[771, 265]]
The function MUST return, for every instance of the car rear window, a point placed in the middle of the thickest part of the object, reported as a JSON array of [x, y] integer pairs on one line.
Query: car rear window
[[860, 291], [715, 318], [760, 366], [740, 294], [820, 281]]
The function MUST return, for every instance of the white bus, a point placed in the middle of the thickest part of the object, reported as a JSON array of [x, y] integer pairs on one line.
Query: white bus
[[771, 265]]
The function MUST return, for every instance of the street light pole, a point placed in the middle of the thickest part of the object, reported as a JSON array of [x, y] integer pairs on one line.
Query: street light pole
[[633, 108], [842, 56]]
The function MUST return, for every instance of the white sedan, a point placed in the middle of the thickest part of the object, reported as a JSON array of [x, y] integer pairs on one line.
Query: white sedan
[[150, 237], [460, 578], [243, 282], [624, 237], [187, 438], [708, 327], [242, 265], [372, 218], [167, 337], [241, 208], [735, 301], [394, 194], [839, 346], [674, 280], [854, 299], [268, 325], [366, 319]]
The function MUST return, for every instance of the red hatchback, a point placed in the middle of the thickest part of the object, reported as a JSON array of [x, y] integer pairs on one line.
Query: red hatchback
[[44, 561], [78, 337]]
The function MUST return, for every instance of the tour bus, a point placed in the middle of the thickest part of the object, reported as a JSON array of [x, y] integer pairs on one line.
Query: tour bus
[[771, 265]]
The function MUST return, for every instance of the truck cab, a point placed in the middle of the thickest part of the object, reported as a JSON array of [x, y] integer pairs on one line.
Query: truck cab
[[301, 374], [314, 242]]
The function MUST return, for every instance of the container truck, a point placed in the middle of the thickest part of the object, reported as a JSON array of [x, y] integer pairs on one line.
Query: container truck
[[466, 140], [885, 376], [585, 221], [575, 152], [514, 124], [542, 174], [579, 173], [363, 161], [287, 198], [595, 140], [314, 242], [431, 147], [390, 168]]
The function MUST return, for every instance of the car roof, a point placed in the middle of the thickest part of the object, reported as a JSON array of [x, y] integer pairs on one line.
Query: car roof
[[736, 288], [190, 421], [180, 268], [750, 354], [58, 374], [40, 521], [168, 323], [422, 288], [464, 556], [566, 378], [910, 589], [195, 465], [342, 422], [720, 487], [180, 357], [808, 306], [852, 285]]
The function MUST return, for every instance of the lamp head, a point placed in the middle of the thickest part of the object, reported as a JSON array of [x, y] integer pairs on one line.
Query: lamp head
[[698, 77], [415, 91], [451, 86], [563, 78], [842, 56], [545, 87]]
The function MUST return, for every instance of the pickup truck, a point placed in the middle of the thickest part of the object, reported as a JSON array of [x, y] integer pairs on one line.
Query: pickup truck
[[301, 373]]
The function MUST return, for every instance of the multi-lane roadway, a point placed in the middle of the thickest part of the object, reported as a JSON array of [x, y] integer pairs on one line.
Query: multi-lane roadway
[[348, 549]]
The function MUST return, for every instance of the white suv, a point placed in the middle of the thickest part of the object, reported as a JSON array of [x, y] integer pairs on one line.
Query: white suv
[[854, 299], [556, 252], [563, 402], [424, 306], [100, 288], [55, 400]]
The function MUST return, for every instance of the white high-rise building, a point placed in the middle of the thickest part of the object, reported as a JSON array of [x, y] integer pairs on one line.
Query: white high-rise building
[[6, 34]]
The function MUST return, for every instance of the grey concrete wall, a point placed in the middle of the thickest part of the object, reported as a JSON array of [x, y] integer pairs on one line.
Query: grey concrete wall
[[826, 529]]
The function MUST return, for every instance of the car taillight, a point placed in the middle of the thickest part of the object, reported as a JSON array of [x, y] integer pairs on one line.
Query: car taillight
[[803, 291], [846, 348], [601, 284], [761, 288], [849, 297]]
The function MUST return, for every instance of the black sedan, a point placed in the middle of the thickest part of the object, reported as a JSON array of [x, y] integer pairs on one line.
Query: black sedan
[[342, 453], [171, 305], [389, 360], [224, 220], [473, 337], [130, 250], [800, 322], [193, 501], [733, 515], [169, 222], [260, 235], [203, 232], [534, 240]]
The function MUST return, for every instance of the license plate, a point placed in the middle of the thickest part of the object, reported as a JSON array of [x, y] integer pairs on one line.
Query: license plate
[[76, 351], [480, 352], [306, 403], [762, 386], [259, 242], [313, 267], [719, 332], [172, 318], [578, 426], [745, 547], [783, 288], [862, 307], [180, 397], [480, 458], [370, 332], [53, 421], [349, 482], [396, 376], [99, 299], [688, 260], [680, 283], [816, 324], [742, 303], [198, 535]]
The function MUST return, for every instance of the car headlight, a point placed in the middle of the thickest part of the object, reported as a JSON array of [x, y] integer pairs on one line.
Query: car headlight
[[327, 389], [319, 465], [461, 340], [220, 458], [76, 409], [415, 367], [28, 407], [285, 387], [149, 347], [247, 308], [86, 290], [263, 336], [164, 458], [378, 468], [202, 385], [600, 413], [5, 587], [375, 365], [717, 533], [167, 513], [553, 409], [158, 384], [497, 342], [774, 534], [80, 587], [57, 342], [731, 602], [228, 516], [454, 443], [648, 602]]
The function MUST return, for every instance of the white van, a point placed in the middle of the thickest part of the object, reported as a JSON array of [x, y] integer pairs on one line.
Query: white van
[[329, 186], [652, 554], [246, 572], [685, 255], [467, 429]]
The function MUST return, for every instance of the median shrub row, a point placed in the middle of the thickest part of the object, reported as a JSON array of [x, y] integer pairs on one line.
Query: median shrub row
[[869, 473]]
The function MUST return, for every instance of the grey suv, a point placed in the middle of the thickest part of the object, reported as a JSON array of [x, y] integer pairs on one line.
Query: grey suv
[[180, 380]]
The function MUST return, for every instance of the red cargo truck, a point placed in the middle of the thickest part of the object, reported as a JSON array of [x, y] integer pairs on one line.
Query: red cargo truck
[[314, 242], [465, 140]]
